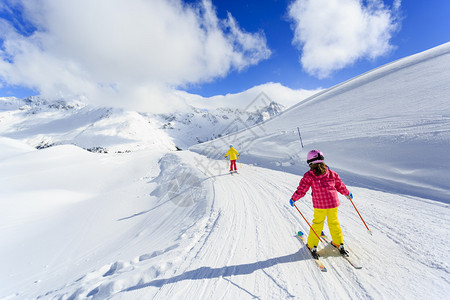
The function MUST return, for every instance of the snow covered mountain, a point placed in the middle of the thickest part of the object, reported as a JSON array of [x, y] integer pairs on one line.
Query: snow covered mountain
[[134, 219], [199, 125], [42, 123]]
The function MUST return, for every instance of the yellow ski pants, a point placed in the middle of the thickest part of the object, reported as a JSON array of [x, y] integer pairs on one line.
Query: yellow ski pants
[[333, 224]]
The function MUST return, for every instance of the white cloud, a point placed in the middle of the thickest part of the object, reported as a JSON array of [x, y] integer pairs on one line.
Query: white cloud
[[112, 50], [333, 34]]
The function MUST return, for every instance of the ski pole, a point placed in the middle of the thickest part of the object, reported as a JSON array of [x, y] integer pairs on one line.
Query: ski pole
[[240, 165], [308, 224], [370, 232]]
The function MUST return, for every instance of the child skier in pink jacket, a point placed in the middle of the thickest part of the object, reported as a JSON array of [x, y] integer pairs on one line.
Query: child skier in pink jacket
[[325, 184]]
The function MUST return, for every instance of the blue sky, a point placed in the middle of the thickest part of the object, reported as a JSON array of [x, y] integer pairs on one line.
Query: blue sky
[[423, 25], [110, 50]]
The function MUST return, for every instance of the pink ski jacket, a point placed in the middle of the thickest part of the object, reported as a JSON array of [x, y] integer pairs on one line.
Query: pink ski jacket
[[324, 189]]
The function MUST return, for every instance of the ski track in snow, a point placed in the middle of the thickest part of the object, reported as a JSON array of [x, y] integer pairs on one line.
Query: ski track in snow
[[243, 246]]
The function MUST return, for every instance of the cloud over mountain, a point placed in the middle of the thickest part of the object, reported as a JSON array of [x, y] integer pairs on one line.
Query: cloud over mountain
[[111, 51]]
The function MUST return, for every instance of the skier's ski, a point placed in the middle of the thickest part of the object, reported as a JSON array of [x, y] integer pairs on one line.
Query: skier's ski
[[351, 260], [319, 264], [234, 172]]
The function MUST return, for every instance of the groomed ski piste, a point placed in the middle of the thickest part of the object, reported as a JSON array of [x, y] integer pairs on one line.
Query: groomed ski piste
[[158, 224]]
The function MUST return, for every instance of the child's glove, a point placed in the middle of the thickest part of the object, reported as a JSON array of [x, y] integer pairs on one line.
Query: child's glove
[[350, 196], [291, 202]]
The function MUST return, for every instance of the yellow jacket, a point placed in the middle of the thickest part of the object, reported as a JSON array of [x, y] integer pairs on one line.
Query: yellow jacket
[[232, 153]]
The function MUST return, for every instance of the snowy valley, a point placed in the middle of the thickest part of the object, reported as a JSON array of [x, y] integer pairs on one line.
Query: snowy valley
[[97, 203]]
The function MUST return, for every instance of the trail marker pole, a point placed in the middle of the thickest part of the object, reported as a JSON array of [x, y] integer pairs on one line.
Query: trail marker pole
[[300, 136]]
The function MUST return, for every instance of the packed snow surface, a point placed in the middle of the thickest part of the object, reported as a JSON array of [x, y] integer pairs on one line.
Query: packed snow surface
[[143, 221]]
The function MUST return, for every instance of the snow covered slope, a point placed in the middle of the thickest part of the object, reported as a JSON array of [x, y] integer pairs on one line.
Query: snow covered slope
[[144, 225], [154, 223], [387, 129]]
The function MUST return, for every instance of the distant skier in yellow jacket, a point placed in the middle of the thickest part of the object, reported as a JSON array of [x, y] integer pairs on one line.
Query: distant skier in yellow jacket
[[233, 156]]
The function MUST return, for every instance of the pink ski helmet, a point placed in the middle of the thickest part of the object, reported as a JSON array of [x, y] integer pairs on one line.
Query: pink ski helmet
[[315, 157]]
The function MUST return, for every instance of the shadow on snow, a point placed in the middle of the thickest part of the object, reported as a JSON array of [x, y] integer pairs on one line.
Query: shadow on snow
[[210, 273]]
